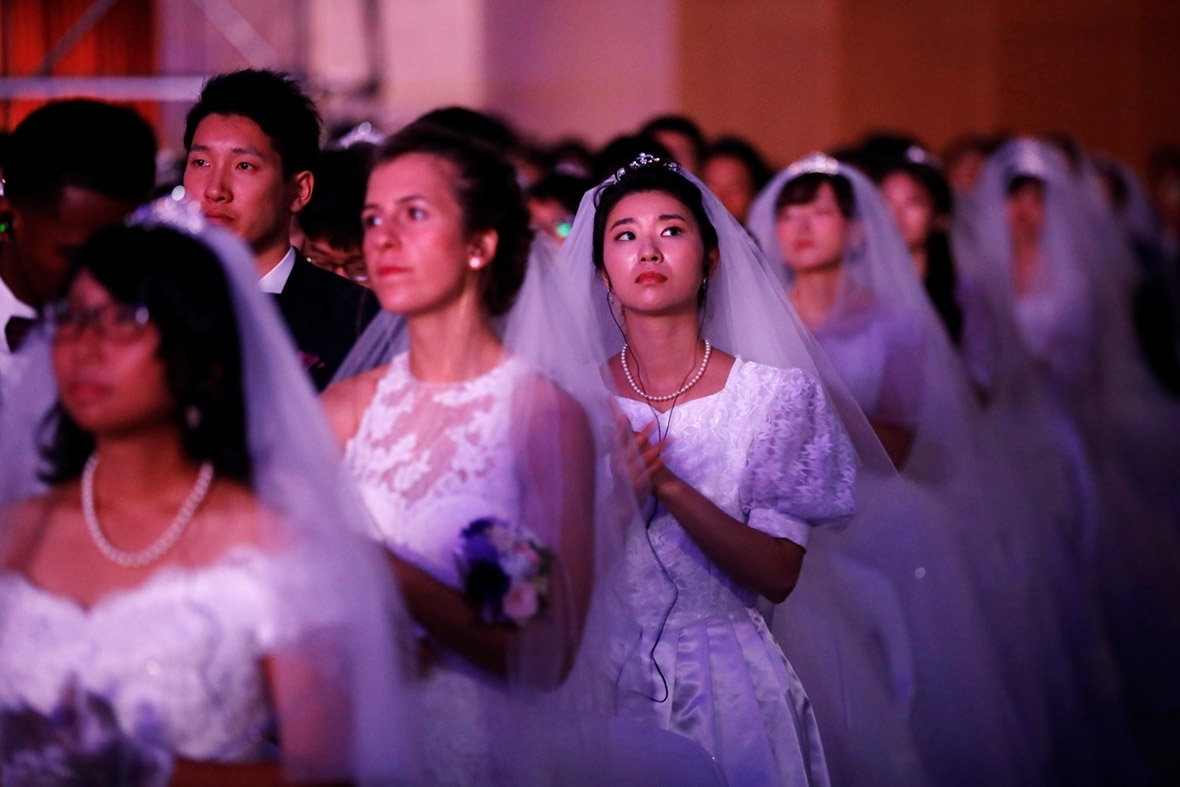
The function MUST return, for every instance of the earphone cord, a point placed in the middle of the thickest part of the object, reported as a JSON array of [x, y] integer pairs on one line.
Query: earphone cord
[[660, 435]]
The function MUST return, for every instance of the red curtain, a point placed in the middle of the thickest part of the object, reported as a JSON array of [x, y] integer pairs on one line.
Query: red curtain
[[122, 43]]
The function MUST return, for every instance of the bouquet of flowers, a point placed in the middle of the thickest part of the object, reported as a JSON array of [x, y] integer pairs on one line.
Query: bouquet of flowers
[[78, 743], [505, 571]]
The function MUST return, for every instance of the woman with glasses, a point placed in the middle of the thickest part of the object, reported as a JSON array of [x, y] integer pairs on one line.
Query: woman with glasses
[[330, 223], [184, 600]]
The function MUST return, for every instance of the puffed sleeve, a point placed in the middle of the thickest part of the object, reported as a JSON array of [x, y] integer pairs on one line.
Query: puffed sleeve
[[801, 469]]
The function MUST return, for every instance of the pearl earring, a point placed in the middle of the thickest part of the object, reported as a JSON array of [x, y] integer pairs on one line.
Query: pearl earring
[[474, 263]]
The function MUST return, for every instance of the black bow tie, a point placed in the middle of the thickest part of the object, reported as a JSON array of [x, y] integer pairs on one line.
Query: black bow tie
[[16, 330]]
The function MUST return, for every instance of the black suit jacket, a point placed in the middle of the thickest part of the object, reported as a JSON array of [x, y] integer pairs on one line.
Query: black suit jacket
[[325, 314]]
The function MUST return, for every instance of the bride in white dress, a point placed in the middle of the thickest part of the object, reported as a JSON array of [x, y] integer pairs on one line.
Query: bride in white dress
[[183, 602], [470, 424], [922, 572], [1055, 265], [735, 461]]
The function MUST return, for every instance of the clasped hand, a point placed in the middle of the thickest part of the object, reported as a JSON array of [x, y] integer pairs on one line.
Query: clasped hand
[[643, 460]]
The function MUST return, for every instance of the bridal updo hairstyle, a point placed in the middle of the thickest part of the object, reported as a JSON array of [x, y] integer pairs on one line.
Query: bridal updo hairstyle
[[489, 197], [187, 296], [652, 176]]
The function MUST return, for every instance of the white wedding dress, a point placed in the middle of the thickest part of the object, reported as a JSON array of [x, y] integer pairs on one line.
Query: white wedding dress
[[768, 451], [429, 460], [178, 658]]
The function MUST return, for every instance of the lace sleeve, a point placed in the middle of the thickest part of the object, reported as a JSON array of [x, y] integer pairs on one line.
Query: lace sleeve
[[801, 468]]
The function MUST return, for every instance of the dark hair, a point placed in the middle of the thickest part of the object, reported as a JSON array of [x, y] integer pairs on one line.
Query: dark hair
[[88, 144], [928, 176], [1069, 146], [490, 199], [333, 214], [741, 150], [276, 104], [1018, 182], [941, 280], [1115, 180], [676, 124], [880, 148], [187, 295], [1163, 160], [485, 128], [572, 157], [648, 178], [621, 151], [968, 144], [941, 283], [803, 190], [564, 189]]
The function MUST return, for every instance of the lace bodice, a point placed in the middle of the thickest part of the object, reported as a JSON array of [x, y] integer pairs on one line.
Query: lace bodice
[[768, 451], [178, 658], [431, 458]]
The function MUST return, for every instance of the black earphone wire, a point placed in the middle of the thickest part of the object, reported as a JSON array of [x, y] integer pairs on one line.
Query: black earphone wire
[[660, 435]]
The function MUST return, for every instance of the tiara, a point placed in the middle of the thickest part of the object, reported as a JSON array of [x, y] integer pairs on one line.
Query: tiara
[[362, 133], [175, 211], [813, 164], [643, 160]]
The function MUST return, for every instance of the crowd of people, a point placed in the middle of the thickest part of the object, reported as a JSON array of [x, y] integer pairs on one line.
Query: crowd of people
[[444, 457]]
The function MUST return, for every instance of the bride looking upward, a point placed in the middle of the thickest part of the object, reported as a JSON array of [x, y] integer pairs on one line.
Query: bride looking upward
[[734, 462], [184, 604]]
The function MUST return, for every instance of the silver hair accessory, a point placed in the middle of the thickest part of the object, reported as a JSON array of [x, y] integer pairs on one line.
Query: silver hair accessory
[[916, 154], [363, 133], [175, 211], [813, 164], [642, 160]]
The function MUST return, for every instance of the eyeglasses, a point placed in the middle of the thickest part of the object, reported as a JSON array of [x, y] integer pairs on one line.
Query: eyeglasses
[[351, 268], [118, 322]]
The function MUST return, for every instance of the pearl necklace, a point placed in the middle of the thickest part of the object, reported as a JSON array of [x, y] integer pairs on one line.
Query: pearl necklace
[[696, 378], [153, 552]]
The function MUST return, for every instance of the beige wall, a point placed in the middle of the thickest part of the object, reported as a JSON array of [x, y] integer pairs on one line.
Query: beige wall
[[793, 75], [797, 74], [594, 69], [554, 67]]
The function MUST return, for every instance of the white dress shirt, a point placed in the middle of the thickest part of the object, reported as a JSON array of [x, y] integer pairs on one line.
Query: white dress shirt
[[276, 278], [10, 366]]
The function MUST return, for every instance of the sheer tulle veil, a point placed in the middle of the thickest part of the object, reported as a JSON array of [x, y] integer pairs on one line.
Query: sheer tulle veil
[[341, 616], [1116, 425], [933, 526], [746, 314]]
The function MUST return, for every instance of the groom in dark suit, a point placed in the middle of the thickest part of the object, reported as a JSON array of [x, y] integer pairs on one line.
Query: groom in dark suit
[[253, 141]]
